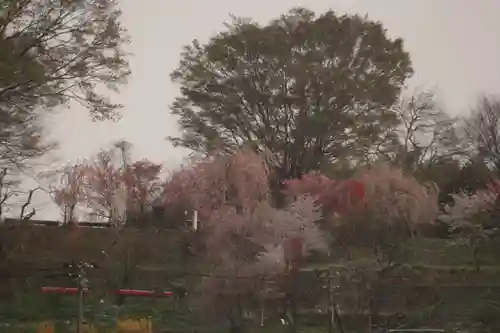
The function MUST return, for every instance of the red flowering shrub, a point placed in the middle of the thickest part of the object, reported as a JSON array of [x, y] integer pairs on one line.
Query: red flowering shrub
[[394, 207], [382, 192], [376, 207], [333, 196]]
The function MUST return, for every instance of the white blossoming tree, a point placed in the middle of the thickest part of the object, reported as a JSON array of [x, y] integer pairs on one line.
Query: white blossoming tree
[[469, 219]]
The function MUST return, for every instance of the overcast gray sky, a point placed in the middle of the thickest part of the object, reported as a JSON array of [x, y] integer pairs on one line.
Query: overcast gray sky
[[454, 45]]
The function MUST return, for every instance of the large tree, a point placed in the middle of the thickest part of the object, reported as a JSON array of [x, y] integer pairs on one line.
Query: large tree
[[307, 89], [53, 52]]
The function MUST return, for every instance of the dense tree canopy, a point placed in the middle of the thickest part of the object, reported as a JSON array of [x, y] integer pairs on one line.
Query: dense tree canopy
[[53, 52], [305, 88]]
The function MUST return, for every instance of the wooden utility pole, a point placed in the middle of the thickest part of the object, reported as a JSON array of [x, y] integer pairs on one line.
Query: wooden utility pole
[[332, 308], [330, 302], [79, 272], [79, 318]]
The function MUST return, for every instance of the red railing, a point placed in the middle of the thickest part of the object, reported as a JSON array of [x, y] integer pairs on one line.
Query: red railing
[[124, 292]]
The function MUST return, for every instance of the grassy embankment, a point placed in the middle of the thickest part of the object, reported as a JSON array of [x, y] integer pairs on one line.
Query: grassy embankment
[[438, 284]]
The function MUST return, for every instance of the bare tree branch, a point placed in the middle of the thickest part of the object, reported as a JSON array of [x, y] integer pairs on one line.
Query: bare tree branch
[[482, 128], [22, 215], [427, 133]]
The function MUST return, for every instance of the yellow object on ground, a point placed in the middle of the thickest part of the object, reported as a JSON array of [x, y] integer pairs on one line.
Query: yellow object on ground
[[142, 325]]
